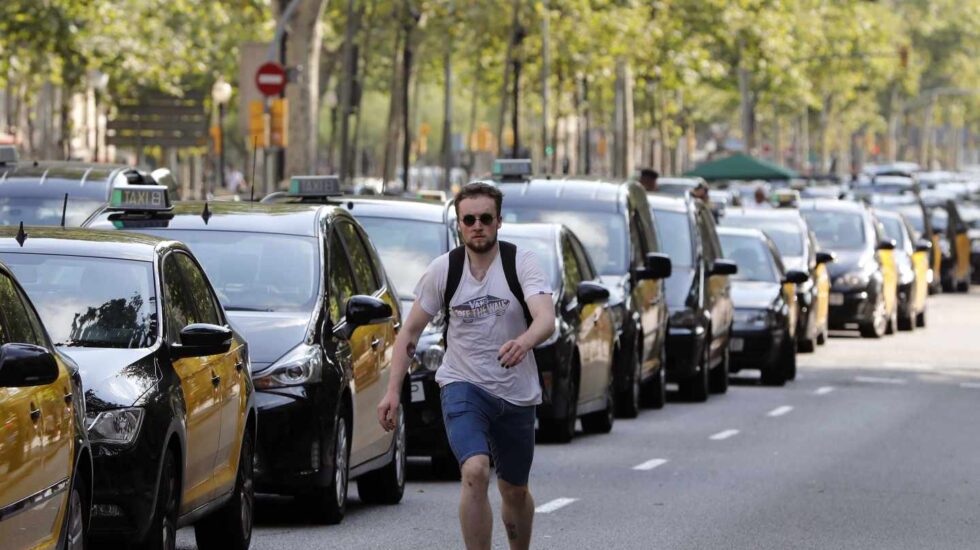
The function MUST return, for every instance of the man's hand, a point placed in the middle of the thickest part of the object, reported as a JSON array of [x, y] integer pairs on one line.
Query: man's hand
[[388, 411], [512, 353]]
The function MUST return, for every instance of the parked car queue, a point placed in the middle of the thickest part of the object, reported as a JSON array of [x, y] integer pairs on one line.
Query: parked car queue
[[227, 349]]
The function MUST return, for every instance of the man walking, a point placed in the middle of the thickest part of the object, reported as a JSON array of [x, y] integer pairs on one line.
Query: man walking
[[498, 307]]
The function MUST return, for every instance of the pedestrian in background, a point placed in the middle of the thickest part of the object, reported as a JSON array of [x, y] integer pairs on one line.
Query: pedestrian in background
[[498, 305], [648, 179]]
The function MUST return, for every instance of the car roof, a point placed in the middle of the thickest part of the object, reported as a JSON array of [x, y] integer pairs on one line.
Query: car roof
[[394, 207], [248, 217], [666, 202], [572, 194], [762, 213], [690, 182], [534, 230], [53, 178], [82, 242], [741, 232], [832, 205]]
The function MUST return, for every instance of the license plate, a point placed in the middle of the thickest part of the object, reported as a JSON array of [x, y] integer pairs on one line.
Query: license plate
[[836, 299], [418, 392], [736, 344]]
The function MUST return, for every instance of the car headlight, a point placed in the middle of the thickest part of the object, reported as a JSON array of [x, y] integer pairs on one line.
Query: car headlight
[[554, 335], [116, 426], [685, 318], [753, 318], [431, 358], [302, 365], [854, 279]]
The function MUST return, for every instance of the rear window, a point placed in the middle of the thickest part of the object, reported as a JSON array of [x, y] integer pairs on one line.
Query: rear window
[[752, 256], [837, 230]]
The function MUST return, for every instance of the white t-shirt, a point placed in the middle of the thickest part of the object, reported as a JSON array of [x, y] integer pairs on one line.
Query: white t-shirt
[[483, 315]]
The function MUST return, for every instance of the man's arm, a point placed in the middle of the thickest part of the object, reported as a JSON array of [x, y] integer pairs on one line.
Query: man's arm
[[401, 358], [543, 314]]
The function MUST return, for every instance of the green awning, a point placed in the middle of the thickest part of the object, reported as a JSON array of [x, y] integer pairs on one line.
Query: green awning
[[742, 167]]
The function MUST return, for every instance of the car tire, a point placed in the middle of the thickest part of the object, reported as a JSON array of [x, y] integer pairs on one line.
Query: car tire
[[654, 392], [231, 526], [386, 485], [920, 319], [445, 466], [696, 388], [774, 374], [75, 528], [789, 363], [601, 422], [892, 326], [822, 335], [162, 533], [963, 287], [875, 328], [562, 429], [628, 401], [906, 322], [719, 375], [327, 505]]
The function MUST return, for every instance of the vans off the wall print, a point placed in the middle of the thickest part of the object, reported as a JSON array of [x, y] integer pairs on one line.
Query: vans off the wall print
[[480, 308]]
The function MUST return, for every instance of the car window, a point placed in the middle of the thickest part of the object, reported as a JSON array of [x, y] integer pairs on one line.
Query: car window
[[407, 247], [602, 233], [753, 257], [675, 236], [585, 266], [837, 230], [21, 327], [637, 248], [340, 279], [894, 230], [197, 284], [178, 300], [572, 275], [360, 261], [706, 228]]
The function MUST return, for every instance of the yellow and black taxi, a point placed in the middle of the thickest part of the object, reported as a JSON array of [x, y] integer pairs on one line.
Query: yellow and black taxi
[[918, 215], [954, 243], [45, 458], [63, 193], [864, 278], [913, 286], [613, 221], [168, 395], [764, 330], [304, 285]]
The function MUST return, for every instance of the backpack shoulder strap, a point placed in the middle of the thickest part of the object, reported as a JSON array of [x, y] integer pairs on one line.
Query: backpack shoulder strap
[[508, 256], [457, 257]]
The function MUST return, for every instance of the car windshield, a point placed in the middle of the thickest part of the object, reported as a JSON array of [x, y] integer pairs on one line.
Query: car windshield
[[603, 234], [256, 271], [674, 229], [674, 189], [787, 236], [940, 219], [45, 211], [893, 230], [837, 230], [406, 247], [752, 256], [914, 216], [544, 248], [90, 302]]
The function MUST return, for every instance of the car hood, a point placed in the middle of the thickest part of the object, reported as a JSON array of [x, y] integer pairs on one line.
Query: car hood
[[754, 294], [114, 378], [270, 334], [847, 261]]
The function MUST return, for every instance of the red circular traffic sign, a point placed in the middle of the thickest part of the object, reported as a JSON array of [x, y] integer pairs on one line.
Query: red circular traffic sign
[[270, 79]]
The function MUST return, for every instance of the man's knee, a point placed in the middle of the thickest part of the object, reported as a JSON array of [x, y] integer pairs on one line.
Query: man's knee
[[515, 495], [476, 472]]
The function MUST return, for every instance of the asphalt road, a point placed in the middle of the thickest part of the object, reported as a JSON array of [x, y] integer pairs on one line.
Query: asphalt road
[[876, 445]]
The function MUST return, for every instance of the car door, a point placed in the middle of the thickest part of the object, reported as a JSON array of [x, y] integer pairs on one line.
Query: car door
[[646, 293], [889, 269], [36, 436], [718, 287], [960, 243], [232, 383], [596, 333], [199, 383]]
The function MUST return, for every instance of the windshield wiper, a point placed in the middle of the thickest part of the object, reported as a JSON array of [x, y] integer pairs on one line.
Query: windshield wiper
[[91, 344], [245, 308]]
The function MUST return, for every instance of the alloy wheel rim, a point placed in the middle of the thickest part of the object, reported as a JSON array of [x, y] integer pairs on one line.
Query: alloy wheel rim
[[400, 449], [168, 527], [880, 315], [340, 463], [247, 495], [76, 540]]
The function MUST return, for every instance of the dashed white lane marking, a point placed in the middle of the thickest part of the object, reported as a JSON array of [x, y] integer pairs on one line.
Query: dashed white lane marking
[[880, 380], [650, 464], [723, 435], [780, 411], [824, 390], [970, 385], [558, 503]]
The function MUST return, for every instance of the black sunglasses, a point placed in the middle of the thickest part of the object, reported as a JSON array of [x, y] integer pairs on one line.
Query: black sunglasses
[[485, 219]]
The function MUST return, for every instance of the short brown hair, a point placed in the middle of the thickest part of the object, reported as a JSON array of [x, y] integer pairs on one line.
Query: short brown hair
[[479, 189]]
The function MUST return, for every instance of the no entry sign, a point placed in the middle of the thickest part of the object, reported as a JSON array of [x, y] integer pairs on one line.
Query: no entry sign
[[271, 79]]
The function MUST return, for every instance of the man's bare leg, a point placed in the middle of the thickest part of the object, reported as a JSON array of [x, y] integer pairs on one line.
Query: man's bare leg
[[518, 514], [475, 515]]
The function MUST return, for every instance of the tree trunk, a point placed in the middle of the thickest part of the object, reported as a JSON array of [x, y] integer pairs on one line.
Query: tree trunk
[[303, 50], [447, 114], [505, 89], [394, 106], [347, 89]]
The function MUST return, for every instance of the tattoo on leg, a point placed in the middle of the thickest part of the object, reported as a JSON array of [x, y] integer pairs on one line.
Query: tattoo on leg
[[511, 530]]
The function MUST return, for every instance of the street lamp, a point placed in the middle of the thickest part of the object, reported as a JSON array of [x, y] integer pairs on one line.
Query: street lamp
[[221, 94], [98, 80]]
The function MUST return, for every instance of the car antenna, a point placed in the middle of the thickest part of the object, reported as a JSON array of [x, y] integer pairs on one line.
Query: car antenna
[[21, 235], [206, 213], [251, 187], [64, 211]]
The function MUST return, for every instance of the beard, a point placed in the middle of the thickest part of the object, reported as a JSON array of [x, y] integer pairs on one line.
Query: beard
[[485, 247]]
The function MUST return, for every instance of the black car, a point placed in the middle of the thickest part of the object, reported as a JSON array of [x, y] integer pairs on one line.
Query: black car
[[763, 334], [918, 215], [576, 363], [912, 291], [34, 192], [954, 243], [612, 219], [698, 295], [305, 286], [798, 250], [859, 274], [169, 400]]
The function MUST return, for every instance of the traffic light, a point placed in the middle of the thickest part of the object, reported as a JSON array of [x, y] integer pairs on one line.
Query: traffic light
[[279, 122], [256, 124]]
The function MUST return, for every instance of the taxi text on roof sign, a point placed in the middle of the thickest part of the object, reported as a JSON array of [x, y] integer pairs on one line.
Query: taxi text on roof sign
[[140, 198], [512, 167], [315, 186]]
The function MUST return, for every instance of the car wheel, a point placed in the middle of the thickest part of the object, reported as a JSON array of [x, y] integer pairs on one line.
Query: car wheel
[[906, 321], [822, 335], [628, 401], [75, 521], [327, 505], [562, 429], [231, 526], [789, 363], [696, 388], [920, 319], [163, 529], [601, 422], [892, 325], [774, 374], [963, 286], [719, 376], [875, 328], [655, 391], [445, 466], [386, 485]]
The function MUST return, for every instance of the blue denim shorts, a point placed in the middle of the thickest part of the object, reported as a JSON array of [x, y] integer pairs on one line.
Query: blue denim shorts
[[478, 423]]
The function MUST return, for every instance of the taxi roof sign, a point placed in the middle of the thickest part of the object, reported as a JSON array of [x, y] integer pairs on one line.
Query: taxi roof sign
[[315, 186], [140, 198], [512, 168], [786, 198], [8, 154]]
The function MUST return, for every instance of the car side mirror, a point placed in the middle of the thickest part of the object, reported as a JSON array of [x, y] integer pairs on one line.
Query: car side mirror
[[886, 244], [724, 267], [826, 257], [203, 339], [658, 266], [23, 365], [796, 277], [923, 245], [363, 310], [591, 293]]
